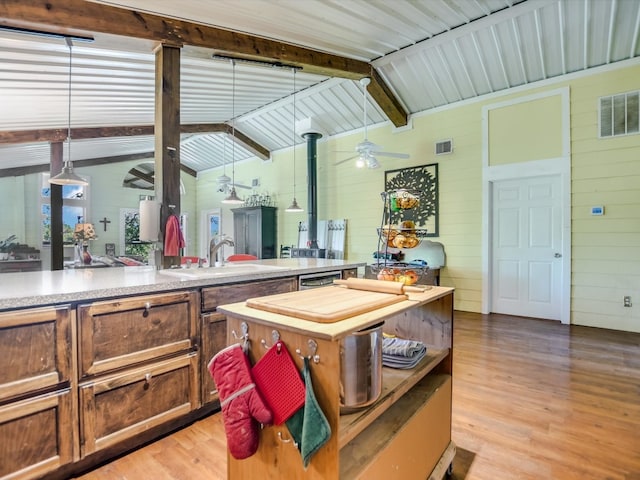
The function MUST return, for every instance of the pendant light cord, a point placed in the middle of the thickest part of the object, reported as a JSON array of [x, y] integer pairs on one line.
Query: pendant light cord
[[364, 108], [233, 124], [69, 44], [293, 133]]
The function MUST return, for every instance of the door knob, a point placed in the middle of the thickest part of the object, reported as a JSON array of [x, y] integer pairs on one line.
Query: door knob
[[557, 255]]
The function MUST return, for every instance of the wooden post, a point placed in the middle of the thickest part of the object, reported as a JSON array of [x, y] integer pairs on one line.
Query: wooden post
[[55, 198], [167, 137]]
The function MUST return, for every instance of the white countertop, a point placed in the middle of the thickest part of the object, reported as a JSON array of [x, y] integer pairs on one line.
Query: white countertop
[[30, 289]]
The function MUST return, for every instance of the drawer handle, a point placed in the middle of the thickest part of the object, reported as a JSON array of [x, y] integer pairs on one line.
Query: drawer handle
[[147, 307], [147, 380]]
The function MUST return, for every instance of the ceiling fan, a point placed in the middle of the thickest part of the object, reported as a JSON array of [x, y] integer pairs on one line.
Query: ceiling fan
[[224, 182], [367, 151]]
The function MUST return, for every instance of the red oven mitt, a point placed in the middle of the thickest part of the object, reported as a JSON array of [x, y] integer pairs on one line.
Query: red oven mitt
[[241, 404]]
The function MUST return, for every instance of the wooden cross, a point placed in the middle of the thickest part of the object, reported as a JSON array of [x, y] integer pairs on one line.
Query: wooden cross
[[105, 221]]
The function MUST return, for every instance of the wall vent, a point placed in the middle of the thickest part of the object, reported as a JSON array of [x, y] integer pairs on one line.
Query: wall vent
[[444, 146], [620, 114]]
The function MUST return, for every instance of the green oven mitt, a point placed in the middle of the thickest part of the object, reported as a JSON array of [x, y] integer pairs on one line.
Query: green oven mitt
[[309, 427]]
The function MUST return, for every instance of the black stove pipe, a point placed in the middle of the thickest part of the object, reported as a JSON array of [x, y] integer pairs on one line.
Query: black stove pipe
[[312, 157]]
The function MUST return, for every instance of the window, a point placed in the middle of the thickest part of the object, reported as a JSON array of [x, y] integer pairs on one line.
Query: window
[[74, 209], [620, 114]]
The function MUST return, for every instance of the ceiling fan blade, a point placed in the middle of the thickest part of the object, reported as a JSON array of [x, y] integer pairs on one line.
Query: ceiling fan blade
[[392, 155], [237, 185], [347, 159]]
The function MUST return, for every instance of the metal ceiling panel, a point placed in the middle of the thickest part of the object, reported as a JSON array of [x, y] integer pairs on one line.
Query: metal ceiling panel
[[431, 53]]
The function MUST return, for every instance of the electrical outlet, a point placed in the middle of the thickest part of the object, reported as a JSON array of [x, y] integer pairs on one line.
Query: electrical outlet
[[627, 301]]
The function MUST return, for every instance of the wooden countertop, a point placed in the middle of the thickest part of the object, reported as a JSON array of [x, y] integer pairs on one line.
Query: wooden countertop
[[32, 289], [336, 330]]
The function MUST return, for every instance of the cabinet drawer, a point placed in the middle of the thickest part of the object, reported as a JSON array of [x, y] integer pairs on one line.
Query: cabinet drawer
[[214, 296], [407, 440], [36, 350], [214, 339], [118, 407], [120, 333], [40, 433]]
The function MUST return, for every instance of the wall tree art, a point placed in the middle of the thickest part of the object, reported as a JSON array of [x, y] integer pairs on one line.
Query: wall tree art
[[422, 180]]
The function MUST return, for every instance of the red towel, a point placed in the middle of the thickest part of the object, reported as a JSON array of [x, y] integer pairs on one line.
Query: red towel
[[173, 239]]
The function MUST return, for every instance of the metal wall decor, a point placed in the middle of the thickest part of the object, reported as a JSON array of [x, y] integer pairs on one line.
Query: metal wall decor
[[424, 180]]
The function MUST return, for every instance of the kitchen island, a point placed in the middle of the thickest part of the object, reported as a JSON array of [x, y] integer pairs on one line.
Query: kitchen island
[[404, 434], [99, 361]]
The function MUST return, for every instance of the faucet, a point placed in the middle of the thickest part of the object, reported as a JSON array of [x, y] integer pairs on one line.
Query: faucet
[[214, 246]]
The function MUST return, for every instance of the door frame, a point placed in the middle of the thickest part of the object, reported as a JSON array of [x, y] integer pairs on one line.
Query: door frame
[[552, 166]]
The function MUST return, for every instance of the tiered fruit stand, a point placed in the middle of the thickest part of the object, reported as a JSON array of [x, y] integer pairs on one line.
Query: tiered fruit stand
[[394, 237]]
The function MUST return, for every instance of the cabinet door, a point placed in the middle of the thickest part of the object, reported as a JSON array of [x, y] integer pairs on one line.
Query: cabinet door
[[36, 350], [253, 233], [239, 232], [214, 339], [121, 333], [239, 292], [36, 435], [121, 406]]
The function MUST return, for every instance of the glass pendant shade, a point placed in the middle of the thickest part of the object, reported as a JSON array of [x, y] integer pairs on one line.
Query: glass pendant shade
[[294, 207], [233, 198]]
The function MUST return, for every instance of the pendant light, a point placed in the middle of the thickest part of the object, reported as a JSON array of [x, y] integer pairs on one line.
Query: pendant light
[[66, 176], [294, 207], [233, 198]]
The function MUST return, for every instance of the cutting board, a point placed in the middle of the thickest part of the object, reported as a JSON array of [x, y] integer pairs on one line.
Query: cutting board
[[325, 304]]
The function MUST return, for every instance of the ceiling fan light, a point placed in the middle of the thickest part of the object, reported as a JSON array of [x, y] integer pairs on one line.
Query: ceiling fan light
[[294, 207], [360, 162], [372, 162], [67, 177], [233, 198]]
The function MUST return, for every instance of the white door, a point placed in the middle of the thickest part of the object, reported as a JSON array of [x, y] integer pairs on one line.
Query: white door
[[527, 246]]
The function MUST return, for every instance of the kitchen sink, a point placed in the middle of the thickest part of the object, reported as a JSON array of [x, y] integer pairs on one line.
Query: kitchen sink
[[227, 270]]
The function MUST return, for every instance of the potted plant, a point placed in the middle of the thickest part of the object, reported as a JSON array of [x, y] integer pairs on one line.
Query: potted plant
[[5, 247]]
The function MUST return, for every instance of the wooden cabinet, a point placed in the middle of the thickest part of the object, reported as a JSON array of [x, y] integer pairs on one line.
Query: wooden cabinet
[[36, 434], [255, 231], [116, 407], [119, 333], [138, 365], [405, 434], [37, 431], [214, 324]]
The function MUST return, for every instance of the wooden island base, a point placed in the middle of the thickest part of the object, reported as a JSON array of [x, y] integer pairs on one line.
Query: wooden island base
[[405, 434]]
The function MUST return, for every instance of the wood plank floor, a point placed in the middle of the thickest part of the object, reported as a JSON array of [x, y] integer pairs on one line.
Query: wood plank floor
[[532, 399]]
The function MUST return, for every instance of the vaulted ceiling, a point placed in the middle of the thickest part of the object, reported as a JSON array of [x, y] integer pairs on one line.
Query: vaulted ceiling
[[427, 53]]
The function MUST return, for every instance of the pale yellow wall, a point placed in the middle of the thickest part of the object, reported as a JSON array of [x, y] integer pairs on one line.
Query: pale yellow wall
[[605, 250], [526, 131]]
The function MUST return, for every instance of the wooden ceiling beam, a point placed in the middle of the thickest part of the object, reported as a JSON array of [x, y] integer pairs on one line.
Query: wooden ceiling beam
[[75, 16], [20, 171]]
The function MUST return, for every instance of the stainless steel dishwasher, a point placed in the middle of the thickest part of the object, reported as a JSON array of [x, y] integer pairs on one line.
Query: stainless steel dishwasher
[[315, 280]]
